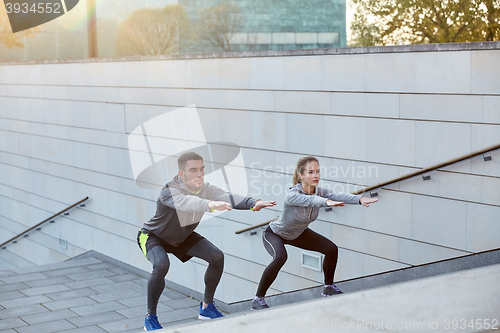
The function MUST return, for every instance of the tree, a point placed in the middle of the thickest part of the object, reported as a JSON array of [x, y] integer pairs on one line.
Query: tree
[[153, 31], [384, 22], [217, 25], [7, 38]]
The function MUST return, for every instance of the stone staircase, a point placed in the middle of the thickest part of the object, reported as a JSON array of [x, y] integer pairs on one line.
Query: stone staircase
[[83, 295]]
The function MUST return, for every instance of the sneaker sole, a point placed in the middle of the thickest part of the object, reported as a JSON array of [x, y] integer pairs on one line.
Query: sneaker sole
[[330, 295], [200, 317], [153, 330]]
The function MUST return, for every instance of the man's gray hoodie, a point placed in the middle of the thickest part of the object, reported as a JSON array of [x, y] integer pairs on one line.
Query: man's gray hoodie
[[179, 211], [300, 209]]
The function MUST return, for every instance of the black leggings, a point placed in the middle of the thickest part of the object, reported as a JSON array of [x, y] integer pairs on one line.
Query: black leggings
[[203, 249], [308, 240]]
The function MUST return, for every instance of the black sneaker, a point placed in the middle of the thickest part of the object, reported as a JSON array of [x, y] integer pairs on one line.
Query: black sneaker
[[330, 290], [259, 303]]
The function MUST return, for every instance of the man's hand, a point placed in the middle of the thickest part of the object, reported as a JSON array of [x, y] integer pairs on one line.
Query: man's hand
[[219, 205], [366, 201], [259, 204], [332, 203]]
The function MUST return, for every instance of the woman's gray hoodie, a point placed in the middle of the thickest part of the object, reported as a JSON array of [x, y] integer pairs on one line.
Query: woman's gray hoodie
[[300, 209]]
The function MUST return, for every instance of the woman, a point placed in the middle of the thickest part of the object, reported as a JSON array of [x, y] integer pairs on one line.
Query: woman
[[301, 207]]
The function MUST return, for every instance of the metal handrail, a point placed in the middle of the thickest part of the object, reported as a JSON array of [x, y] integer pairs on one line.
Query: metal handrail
[[39, 224], [398, 179]]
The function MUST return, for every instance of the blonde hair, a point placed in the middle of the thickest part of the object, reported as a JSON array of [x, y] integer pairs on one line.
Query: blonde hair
[[299, 168]]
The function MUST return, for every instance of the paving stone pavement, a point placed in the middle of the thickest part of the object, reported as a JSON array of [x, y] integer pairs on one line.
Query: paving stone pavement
[[83, 296]]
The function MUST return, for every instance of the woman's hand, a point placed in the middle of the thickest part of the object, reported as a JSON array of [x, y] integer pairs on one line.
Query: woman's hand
[[332, 203], [262, 204], [366, 201]]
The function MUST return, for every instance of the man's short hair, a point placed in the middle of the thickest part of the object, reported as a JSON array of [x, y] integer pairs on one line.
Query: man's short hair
[[190, 155]]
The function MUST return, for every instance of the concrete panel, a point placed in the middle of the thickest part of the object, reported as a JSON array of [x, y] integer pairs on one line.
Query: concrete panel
[[246, 287], [115, 118], [133, 73], [18, 74], [491, 192], [439, 142], [443, 72], [484, 72], [160, 96], [338, 137], [105, 94], [206, 73], [135, 115], [133, 95], [491, 109], [3, 70], [374, 265], [303, 102], [96, 73], [97, 158], [211, 121], [79, 93], [482, 227], [391, 141], [350, 265], [391, 215], [484, 136], [390, 72], [80, 116], [235, 73], [442, 107], [488, 168], [113, 74], [447, 185], [268, 130], [305, 134], [64, 113], [267, 73], [207, 98], [250, 100], [303, 73], [55, 92], [10, 74], [12, 108], [178, 73], [117, 161], [155, 73], [439, 221], [417, 253], [366, 242], [34, 75], [366, 104], [79, 74]]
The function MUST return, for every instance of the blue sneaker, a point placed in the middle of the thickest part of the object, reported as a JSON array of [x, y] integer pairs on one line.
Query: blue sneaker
[[210, 312], [151, 323]]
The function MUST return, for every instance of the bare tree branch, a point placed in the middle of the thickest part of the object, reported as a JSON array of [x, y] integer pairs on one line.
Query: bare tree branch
[[217, 25], [153, 31]]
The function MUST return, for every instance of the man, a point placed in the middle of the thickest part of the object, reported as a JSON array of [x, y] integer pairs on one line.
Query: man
[[180, 207]]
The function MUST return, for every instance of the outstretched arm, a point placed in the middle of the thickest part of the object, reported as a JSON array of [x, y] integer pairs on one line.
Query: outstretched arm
[[294, 198], [339, 196], [236, 201]]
